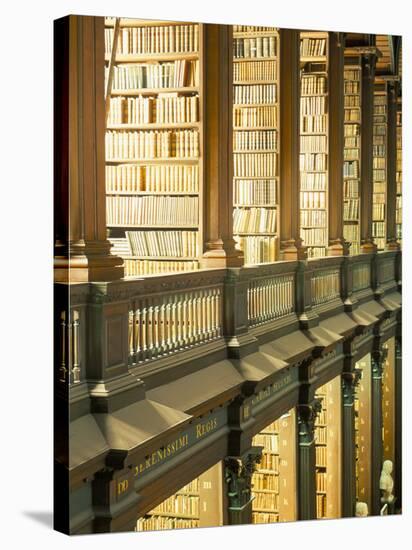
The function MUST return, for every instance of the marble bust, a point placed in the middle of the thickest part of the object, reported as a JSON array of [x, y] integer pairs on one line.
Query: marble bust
[[361, 510], [386, 483]]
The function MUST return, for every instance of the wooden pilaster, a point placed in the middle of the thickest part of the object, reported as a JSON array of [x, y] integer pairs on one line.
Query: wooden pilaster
[[82, 251], [391, 242], [219, 247], [366, 193], [337, 243], [289, 146]]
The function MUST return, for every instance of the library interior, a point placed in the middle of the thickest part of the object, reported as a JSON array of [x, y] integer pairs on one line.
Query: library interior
[[227, 267]]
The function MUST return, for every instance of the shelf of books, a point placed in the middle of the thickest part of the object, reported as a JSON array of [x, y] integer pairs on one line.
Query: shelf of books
[[352, 155], [256, 142], [380, 114], [388, 402], [154, 144], [274, 481], [328, 451], [197, 504], [363, 431], [314, 144], [399, 173]]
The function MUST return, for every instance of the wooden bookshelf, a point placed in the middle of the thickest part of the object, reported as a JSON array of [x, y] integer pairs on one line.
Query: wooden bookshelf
[[388, 402], [364, 431], [197, 504], [274, 481], [314, 142], [328, 451], [399, 173], [256, 142], [352, 154], [154, 142], [380, 174]]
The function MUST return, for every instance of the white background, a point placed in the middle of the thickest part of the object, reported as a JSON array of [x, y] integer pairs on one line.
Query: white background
[[26, 268]]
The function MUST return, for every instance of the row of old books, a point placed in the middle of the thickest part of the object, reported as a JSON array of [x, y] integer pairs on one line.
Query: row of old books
[[262, 517], [163, 39], [313, 144], [249, 117], [254, 93], [352, 100], [321, 435], [159, 523], [313, 85], [379, 130], [352, 141], [177, 244], [254, 220], [255, 192], [258, 46], [316, 162], [313, 105], [320, 506], [254, 70], [254, 165], [351, 209], [399, 209], [157, 178], [351, 87], [312, 199], [313, 218], [321, 482], [316, 237], [254, 140], [351, 153], [256, 250], [152, 210], [351, 75], [378, 210], [351, 130], [163, 109], [379, 176], [152, 144], [266, 501], [379, 162], [316, 251], [312, 47], [265, 482], [313, 124], [137, 268], [179, 504], [351, 169], [378, 229], [250, 28], [313, 181], [321, 456], [350, 189], [352, 115], [176, 74]]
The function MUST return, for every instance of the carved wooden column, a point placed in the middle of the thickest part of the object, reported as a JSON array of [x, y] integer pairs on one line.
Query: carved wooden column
[[81, 245], [349, 382], [307, 459], [337, 244], [219, 248], [238, 476], [366, 191], [289, 145], [391, 242], [378, 358], [398, 419]]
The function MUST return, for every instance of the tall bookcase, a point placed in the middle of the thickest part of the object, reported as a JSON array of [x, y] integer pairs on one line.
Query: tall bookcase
[[197, 504], [314, 142], [328, 451], [388, 402], [363, 432], [256, 142], [274, 481], [399, 173], [380, 136], [352, 153], [154, 144]]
